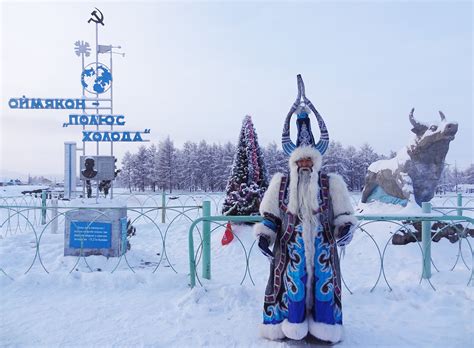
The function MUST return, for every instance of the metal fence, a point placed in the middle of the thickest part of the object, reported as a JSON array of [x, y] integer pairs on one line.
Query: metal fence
[[174, 234], [31, 231], [368, 224], [164, 199]]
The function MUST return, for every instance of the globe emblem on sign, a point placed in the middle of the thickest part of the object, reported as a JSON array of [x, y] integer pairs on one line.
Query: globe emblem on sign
[[96, 80]]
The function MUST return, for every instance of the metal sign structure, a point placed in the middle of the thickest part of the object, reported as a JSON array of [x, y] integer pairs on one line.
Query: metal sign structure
[[95, 107], [97, 167]]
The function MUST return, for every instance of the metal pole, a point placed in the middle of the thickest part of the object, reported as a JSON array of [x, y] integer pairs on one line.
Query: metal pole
[[459, 211], [426, 241], [96, 66], [111, 103], [43, 207], [163, 206], [83, 128], [111, 126], [54, 215], [206, 240], [70, 162]]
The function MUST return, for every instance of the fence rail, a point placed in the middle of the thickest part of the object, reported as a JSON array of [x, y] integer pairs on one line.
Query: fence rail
[[402, 223], [170, 221], [44, 222]]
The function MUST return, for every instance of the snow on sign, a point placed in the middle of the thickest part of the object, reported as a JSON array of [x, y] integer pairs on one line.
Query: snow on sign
[[90, 235], [97, 167]]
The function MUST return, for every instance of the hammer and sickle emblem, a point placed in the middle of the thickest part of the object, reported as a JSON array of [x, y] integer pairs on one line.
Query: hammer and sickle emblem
[[96, 18]]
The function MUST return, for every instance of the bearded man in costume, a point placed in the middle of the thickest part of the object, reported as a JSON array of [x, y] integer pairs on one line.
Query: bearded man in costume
[[307, 214]]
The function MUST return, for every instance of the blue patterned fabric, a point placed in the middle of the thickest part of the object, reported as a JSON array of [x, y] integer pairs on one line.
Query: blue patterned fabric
[[305, 137], [275, 314], [296, 278], [324, 311]]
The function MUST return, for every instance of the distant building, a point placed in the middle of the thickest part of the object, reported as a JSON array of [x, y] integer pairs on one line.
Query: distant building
[[39, 180], [14, 182]]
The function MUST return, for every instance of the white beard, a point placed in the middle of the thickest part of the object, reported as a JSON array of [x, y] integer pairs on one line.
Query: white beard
[[309, 221], [305, 200]]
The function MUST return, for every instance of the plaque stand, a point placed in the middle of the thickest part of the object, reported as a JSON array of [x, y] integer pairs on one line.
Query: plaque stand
[[96, 229]]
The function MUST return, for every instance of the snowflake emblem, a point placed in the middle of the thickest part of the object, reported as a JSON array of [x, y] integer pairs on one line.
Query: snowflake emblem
[[82, 47]]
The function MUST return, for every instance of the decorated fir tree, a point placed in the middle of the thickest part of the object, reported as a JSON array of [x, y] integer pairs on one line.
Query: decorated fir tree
[[249, 179]]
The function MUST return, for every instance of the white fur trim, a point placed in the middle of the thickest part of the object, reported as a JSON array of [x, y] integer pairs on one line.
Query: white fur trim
[[341, 201], [270, 200], [271, 331], [295, 331], [326, 332], [343, 219], [305, 152], [260, 229], [298, 153]]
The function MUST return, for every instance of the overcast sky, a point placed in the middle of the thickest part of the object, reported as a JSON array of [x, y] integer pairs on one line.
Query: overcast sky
[[193, 70]]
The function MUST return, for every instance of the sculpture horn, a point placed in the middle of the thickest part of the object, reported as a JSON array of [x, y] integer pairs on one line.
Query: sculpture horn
[[443, 118], [414, 122]]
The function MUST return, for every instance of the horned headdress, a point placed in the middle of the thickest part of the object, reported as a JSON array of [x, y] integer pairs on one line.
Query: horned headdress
[[302, 107]]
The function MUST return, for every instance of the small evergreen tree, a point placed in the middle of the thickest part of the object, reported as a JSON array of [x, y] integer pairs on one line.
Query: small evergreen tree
[[275, 159], [167, 164], [152, 167], [333, 160], [190, 164], [248, 180], [468, 175], [125, 176], [140, 168]]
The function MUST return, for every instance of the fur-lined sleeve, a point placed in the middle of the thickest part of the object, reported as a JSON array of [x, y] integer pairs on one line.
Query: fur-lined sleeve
[[341, 202], [270, 211]]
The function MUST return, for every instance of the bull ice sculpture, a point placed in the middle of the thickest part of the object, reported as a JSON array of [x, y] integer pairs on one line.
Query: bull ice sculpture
[[413, 174]]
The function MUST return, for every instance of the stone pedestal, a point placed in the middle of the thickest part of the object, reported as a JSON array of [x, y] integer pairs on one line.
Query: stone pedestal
[[96, 228]]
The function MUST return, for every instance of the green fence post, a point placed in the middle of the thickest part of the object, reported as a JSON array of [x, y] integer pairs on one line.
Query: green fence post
[[43, 207], [426, 241], [206, 240], [459, 204], [471, 283], [192, 262], [163, 207]]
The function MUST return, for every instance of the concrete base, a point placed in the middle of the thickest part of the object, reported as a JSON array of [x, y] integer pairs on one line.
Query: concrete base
[[96, 229]]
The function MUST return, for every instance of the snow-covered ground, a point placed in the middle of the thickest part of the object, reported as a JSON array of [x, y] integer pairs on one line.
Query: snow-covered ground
[[93, 301]]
